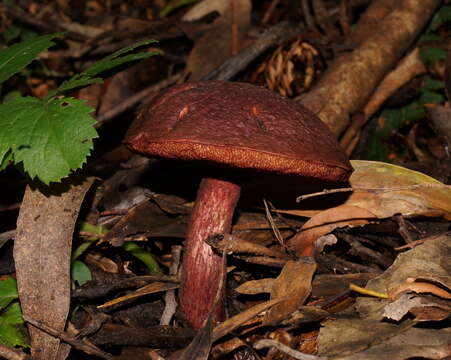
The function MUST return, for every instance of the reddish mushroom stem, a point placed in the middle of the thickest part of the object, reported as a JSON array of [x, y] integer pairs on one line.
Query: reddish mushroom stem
[[202, 268]]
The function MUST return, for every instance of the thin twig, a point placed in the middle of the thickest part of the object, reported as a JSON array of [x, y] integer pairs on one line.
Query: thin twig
[[5, 236], [371, 190], [76, 343], [20, 15], [273, 225], [135, 99], [275, 35]]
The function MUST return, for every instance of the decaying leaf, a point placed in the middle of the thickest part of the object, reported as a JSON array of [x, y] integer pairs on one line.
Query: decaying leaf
[[294, 284], [363, 205], [145, 218], [432, 257], [235, 321], [422, 307], [42, 251], [422, 201], [356, 339]]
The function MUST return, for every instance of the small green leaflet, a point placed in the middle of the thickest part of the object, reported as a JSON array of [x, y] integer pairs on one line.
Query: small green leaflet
[[50, 138], [15, 57], [112, 61], [80, 272], [145, 256], [8, 291], [12, 329]]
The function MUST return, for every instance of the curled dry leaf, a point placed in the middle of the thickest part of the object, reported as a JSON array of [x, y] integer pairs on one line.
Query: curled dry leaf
[[428, 262], [303, 243], [420, 287], [363, 205], [423, 308]]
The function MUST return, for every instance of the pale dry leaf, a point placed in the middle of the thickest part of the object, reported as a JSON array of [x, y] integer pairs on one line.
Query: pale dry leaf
[[253, 287], [205, 7], [410, 201], [422, 201]]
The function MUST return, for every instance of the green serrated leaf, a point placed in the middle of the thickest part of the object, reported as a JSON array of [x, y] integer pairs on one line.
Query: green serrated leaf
[[432, 84], [429, 37], [12, 330], [6, 159], [77, 81], [390, 121], [431, 97], [104, 66], [443, 15], [8, 291], [15, 57], [146, 257], [49, 138], [80, 272], [112, 61], [431, 55], [125, 50]]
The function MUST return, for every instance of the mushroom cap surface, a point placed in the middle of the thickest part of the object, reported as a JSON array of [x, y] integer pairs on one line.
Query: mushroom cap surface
[[238, 125]]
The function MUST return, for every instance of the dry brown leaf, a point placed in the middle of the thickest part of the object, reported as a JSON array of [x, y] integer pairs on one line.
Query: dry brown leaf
[[357, 339], [253, 287], [363, 205], [411, 285], [294, 284], [42, 251], [235, 321], [303, 243], [428, 258]]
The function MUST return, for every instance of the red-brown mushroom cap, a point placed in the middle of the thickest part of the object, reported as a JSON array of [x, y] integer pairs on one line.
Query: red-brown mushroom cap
[[239, 125]]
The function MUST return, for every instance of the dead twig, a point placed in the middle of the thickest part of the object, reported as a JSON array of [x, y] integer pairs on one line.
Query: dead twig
[[371, 190], [76, 343], [135, 99], [23, 17], [273, 36]]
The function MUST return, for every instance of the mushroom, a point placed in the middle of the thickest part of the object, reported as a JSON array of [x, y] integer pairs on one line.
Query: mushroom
[[238, 127]]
